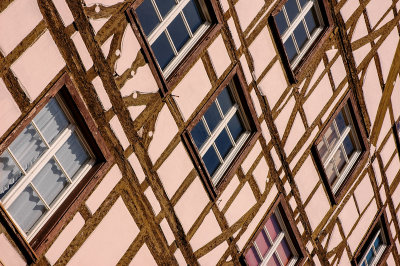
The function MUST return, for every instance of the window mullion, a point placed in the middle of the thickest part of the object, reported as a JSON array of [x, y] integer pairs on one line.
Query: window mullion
[[16, 161], [171, 42], [40, 196], [40, 133], [62, 169], [186, 24], [296, 21], [337, 145]]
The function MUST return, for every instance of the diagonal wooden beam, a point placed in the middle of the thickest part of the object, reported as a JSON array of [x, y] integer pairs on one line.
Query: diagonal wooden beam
[[387, 93]]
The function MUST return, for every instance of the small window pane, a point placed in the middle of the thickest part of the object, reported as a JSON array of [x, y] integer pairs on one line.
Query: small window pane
[[273, 227], [28, 147], [212, 117], [331, 136], [290, 49], [378, 242], [211, 161], [192, 16], [224, 144], [147, 16], [164, 6], [370, 256], [162, 50], [330, 173], [27, 209], [263, 243], [281, 23], [225, 101], [252, 258], [273, 261], [300, 35], [72, 155], [9, 173], [284, 251], [51, 120], [199, 134], [312, 21], [178, 32], [348, 146], [304, 2], [50, 181], [341, 122], [340, 161], [322, 151], [291, 9], [235, 126]]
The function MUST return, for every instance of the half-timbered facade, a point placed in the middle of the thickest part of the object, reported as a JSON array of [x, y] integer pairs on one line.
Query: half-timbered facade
[[186, 132]]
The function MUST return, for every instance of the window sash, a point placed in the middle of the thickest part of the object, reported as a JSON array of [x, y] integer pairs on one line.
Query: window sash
[[299, 19], [377, 253], [162, 28], [273, 248], [349, 131], [52, 149]]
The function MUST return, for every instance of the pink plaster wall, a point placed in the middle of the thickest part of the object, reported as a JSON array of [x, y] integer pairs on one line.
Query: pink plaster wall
[[103, 189], [17, 21], [295, 134], [103, 2], [348, 215], [101, 92], [235, 36], [167, 231], [318, 99], [82, 50], [153, 200], [304, 147], [110, 240], [246, 69], [9, 255], [260, 174], [396, 98], [179, 257], [282, 121], [143, 81], [246, 12], [212, 257], [251, 157], [273, 84], [376, 10], [363, 193], [143, 257], [64, 11], [9, 111], [191, 204], [65, 238], [228, 192], [129, 49], [386, 52], [241, 204], [192, 89], [348, 8], [38, 65], [182, 165], [262, 50], [133, 160], [256, 103], [219, 56], [208, 230], [165, 130], [319, 202]]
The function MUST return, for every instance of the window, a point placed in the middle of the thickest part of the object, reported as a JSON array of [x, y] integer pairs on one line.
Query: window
[[221, 130], [297, 25], [51, 157], [41, 166], [275, 242], [172, 28], [376, 244], [339, 147]]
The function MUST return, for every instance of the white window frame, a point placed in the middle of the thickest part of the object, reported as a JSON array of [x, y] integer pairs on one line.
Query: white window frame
[[29, 175], [377, 253], [224, 124], [350, 130], [292, 26], [273, 249], [164, 23]]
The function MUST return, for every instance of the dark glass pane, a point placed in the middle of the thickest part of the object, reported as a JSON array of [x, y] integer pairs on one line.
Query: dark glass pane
[[163, 50], [281, 23], [192, 16], [291, 9], [178, 32], [164, 6], [147, 16], [340, 122], [263, 243], [212, 117], [370, 256], [9, 173], [304, 2], [348, 146], [235, 126], [330, 173], [300, 35], [273, 261], [252, 258], [322, 151], [312, 20], [273, 227], [340, 161], [199, 134], [378, 242], [225, 100], [223, 143], [211, 161], [290, 49]]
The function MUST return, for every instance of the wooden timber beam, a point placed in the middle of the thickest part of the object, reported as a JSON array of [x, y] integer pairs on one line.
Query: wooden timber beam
[[387, 93]]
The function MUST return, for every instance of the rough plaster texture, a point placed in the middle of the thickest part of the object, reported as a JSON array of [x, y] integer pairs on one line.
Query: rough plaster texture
[[9, 111]]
